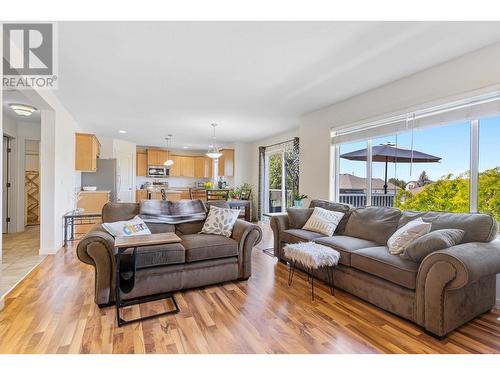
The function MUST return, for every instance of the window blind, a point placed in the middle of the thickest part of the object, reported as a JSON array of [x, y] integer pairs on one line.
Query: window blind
[[462, 110]]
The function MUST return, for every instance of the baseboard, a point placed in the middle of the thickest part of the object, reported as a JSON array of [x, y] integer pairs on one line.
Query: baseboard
[[2, 303], [497, 305]]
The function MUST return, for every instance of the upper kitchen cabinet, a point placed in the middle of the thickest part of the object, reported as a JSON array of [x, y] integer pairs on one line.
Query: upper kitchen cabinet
[[157, 157], [141, 163], [87, 150], [187, 166], [226, 163], [184, 166], [175, 169], [202, 167]]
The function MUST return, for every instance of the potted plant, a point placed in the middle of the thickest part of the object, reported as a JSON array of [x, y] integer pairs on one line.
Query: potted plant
[[298, 200]]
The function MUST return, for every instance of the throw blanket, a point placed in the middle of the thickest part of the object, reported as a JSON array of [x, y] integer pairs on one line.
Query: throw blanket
[[168, 212]]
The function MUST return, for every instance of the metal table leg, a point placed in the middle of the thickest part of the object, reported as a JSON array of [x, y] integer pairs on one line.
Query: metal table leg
[[119, 303]]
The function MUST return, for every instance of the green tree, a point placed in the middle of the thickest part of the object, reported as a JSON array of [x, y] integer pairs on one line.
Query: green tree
[[275, 171], [397, 182], [423, 179], [452, 194]]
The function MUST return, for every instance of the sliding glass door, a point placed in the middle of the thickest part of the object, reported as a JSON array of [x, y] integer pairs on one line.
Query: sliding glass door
[[275, 191]]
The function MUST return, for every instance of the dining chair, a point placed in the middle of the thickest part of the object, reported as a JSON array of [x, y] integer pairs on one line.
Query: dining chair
[[195, 193], [217, 194], [246, 194], [163, 195]]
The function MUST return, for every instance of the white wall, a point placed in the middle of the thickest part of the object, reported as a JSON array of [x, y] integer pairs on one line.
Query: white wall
[[57, 164]]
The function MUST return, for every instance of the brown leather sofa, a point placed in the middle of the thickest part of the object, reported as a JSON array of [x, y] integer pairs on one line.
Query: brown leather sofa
[[447, 289], [198, 260]]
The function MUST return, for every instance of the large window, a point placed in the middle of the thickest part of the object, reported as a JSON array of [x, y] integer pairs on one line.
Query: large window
[[436, 185], [352, 176], [488, 200], [424, 167]]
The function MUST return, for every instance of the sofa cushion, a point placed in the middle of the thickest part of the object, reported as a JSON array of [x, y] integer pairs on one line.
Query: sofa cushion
[[379, 262], [346, 209], [345, 245], [401, 238], [373, 223], [160, 255], [297, 217], [203, 246], [161, 227], [323, 221], [477, 227], [298, 235], [189, 227], [440, 239]]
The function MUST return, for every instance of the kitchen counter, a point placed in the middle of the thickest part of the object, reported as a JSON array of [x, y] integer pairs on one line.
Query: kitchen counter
[[96, 191]]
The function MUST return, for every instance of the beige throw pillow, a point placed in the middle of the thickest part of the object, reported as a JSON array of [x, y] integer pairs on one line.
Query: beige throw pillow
[[220, 221], [323, 221], [400, 240]]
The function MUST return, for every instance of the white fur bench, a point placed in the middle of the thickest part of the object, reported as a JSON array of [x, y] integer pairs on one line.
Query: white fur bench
[[311, 256]]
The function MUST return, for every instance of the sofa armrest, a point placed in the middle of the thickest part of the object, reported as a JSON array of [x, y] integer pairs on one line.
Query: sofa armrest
[[451, 269], [247, 235], [279, 223], [97, 248]]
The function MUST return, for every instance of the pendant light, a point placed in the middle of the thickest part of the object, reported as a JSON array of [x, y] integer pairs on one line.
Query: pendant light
[[169, 162], [213, 151]]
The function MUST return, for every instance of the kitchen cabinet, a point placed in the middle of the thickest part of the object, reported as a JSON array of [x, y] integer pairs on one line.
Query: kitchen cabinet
[[141, 163], [141, 195], [92, 201], [226, 163], [175, 169], [184, 166], [156, 157], [187, 166], [203, 167], [87, 150], [171, 196], [185, 194]]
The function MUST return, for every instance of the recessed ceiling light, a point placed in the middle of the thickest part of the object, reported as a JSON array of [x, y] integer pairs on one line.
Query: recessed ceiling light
[[122, 131], [22, 109], [185, 147]]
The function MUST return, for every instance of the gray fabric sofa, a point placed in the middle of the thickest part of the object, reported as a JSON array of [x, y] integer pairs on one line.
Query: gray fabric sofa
[[448, 288], [198, 260]]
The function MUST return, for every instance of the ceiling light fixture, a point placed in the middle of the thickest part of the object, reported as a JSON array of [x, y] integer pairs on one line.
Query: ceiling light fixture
[[213, 151], [122, 131], [169, 162], [22, 109]]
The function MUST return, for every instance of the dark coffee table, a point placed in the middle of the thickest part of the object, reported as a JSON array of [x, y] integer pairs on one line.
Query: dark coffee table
[[125, 278]]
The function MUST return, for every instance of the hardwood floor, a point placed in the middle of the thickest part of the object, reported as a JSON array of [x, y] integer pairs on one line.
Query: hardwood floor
[[20, 254], [52, 311]]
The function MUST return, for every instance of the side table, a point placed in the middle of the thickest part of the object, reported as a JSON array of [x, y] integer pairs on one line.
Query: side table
[[125, 278]]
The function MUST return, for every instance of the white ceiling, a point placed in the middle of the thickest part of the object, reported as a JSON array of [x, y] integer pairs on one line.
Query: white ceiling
[[253, 78]]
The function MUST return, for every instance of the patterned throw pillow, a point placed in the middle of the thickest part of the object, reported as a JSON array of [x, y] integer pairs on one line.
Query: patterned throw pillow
[[220, 221], [323, 221], [400, 240], [134, 227]]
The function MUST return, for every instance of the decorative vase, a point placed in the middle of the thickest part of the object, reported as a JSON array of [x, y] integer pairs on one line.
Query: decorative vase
[[298, 203]]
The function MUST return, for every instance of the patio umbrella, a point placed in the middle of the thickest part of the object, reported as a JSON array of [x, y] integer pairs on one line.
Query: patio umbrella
[[389, 153]]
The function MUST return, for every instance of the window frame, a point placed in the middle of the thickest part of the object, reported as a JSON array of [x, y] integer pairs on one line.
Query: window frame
[[474, 128]]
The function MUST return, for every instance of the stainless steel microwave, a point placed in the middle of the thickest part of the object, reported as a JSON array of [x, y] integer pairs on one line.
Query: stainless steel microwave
[[157, 171]]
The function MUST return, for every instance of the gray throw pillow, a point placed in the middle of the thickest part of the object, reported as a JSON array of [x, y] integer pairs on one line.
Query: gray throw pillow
[[440, 239], [297, 217]]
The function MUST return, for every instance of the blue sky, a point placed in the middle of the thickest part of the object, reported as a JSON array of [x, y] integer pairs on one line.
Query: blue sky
[[450, 142]]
